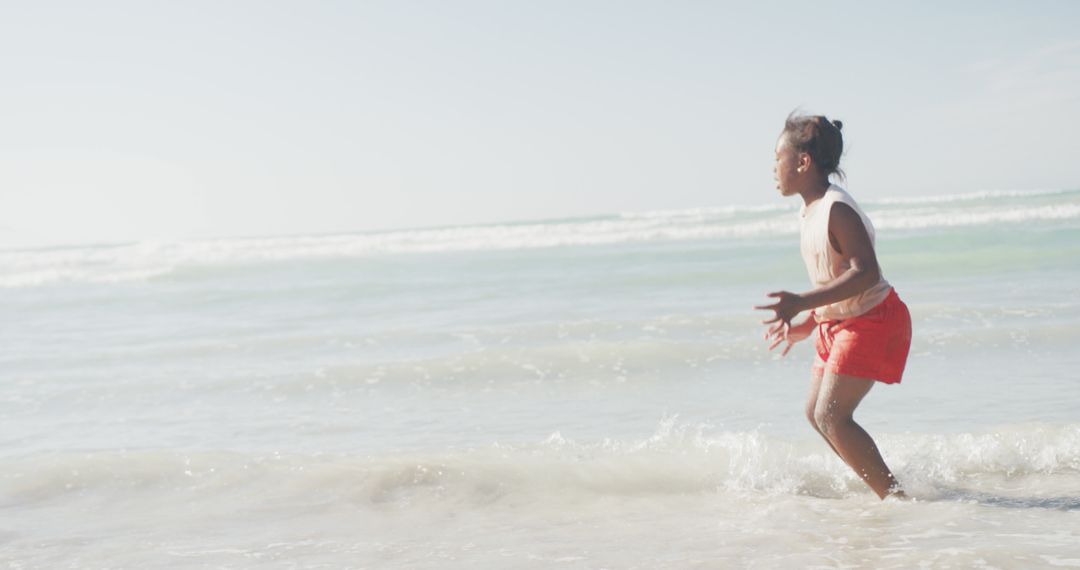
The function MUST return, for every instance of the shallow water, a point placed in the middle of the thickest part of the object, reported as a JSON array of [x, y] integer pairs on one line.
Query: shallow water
[[584, 393]]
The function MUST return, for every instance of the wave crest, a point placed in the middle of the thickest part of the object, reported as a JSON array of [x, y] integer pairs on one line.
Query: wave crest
[[679, 458], [149, 260]]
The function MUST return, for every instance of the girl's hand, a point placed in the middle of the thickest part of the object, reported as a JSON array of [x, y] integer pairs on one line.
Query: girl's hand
[[786, 308], [782, 332]]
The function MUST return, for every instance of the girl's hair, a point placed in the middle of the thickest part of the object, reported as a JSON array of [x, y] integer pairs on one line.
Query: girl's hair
[[819, 137]]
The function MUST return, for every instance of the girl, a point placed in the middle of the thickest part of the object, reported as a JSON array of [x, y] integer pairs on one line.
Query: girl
[[864, 329]]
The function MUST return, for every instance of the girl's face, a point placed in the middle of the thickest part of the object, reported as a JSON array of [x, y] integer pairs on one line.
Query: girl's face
[[786, 169]]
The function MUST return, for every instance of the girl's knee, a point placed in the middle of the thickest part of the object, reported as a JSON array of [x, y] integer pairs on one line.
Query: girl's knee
[[821, 420], [828, 421]]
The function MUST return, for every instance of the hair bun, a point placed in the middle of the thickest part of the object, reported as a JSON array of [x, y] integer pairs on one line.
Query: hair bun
[[839, 124]]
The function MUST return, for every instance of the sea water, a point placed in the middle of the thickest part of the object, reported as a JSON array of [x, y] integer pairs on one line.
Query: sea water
[[575, 393]]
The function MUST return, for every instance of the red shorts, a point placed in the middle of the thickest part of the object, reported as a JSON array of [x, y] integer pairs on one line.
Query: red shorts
[[872, 345]]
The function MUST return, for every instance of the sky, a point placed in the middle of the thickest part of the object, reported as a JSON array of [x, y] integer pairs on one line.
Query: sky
[[127, 121]]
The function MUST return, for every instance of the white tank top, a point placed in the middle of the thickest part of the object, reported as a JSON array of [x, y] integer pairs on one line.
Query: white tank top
[[824, 264]]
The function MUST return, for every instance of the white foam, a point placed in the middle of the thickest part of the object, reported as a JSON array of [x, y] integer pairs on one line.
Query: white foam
[[923, 219], [677, 459]]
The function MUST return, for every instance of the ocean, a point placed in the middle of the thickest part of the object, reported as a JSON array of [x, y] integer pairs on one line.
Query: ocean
[[587, 392]]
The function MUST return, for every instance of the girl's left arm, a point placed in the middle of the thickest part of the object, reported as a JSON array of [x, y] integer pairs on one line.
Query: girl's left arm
[[853, 243]]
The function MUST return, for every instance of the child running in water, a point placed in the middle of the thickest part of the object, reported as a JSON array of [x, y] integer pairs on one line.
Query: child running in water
[[864, 329]]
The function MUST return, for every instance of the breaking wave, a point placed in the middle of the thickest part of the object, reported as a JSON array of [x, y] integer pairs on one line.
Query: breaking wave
[[149, 260]]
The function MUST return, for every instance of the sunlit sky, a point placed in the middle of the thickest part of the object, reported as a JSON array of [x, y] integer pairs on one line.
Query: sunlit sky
[[151, 120]]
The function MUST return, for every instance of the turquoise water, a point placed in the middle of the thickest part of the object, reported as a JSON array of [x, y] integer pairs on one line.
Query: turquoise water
[[588, 392]]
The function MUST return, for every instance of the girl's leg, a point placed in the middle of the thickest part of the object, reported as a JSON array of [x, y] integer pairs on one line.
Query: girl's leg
[[837, 399], [811, 406]]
